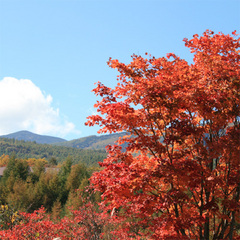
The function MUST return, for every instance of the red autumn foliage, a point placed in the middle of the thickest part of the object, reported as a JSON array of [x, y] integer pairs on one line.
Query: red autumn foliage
[[179, 177], [86, 223]]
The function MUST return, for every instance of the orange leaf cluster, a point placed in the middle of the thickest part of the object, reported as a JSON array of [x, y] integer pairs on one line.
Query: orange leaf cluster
[[179, 177]]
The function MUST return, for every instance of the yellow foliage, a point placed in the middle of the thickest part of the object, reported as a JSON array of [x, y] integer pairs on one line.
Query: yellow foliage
[[4, 160], [33, 161]]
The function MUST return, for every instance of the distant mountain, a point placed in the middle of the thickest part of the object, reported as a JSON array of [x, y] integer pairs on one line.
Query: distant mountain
[[92, 142], [32, 137]]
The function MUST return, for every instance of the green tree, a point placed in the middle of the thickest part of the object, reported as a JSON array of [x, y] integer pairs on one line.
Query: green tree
[[22, 195], [48, 189], [63, 175], [10, 167], [56, 210], [16, 167], [77, 174], [53, 161], [37, 170]]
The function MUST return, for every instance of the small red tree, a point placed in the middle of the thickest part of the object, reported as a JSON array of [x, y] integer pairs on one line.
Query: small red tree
[[179, 177]]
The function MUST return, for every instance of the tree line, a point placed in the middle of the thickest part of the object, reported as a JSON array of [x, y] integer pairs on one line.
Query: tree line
[[27, 149]]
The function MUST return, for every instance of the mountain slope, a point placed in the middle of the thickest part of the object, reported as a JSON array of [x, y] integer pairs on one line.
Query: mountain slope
[[32, 137], [92, 142], [28, 149]]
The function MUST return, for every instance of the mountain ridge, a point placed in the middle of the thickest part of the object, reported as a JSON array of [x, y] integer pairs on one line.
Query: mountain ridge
[[92, 141], [88, 142], [33, 137]]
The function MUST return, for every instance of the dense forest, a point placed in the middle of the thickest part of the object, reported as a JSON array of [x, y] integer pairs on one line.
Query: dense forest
[[29, 184], [24, 149]]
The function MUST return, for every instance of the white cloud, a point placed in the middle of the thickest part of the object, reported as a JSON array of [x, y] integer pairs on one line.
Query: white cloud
[[23, 106]]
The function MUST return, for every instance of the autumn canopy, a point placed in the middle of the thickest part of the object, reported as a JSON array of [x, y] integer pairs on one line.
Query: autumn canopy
[[179, 177]]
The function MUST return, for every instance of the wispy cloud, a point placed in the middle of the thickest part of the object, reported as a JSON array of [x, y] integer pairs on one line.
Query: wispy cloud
[[24, 106]]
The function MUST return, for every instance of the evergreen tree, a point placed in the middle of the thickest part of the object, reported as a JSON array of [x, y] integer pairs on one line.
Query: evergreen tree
[[77, 174], [63, 175]]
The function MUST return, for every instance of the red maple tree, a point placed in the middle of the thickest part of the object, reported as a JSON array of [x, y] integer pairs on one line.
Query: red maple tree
[[179, 177]]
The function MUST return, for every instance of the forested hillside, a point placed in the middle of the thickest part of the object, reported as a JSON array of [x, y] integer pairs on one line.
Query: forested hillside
[[24, 150], [92, 142]]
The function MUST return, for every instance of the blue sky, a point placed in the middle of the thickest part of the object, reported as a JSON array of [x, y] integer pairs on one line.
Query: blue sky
[[53, 51]]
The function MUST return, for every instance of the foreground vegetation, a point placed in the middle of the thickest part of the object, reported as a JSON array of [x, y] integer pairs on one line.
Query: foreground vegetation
[[42, 200]]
